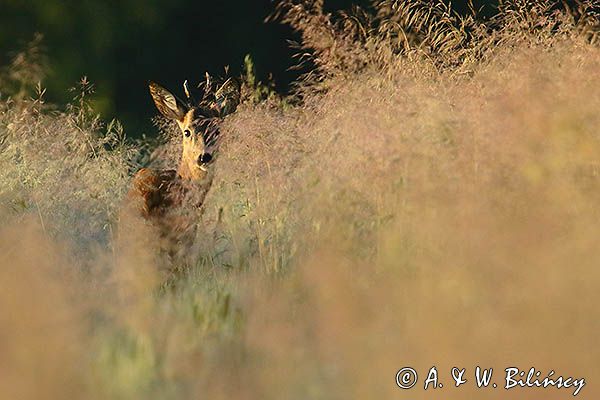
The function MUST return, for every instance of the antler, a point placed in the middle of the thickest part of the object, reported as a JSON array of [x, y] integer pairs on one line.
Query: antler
[[188, 94]]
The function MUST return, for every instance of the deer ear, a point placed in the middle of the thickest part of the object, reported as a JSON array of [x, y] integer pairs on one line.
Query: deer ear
[[168, 105]]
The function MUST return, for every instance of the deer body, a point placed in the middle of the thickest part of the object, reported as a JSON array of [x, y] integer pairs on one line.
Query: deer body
[[157, 191]]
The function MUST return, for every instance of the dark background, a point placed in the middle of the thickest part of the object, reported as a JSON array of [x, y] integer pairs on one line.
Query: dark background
[[121, 44]]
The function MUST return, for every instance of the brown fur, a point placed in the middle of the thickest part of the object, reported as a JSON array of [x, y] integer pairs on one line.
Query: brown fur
[[154, 191]]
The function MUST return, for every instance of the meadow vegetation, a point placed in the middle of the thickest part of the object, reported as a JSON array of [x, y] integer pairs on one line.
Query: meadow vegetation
[[429, 196]]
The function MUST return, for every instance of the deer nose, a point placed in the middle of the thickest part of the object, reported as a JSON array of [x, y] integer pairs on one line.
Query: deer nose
[[204, 158]]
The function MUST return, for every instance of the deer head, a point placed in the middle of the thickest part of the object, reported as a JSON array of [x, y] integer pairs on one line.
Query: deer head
[[198, 122]]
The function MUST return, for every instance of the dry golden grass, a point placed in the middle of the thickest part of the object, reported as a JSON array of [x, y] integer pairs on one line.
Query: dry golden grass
[[419, 210]]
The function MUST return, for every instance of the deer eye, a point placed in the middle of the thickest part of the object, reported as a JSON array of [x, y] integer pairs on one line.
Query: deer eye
[[187, 133]]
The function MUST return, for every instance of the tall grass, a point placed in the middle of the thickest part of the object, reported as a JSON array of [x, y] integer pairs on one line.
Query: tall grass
[[431, 200]]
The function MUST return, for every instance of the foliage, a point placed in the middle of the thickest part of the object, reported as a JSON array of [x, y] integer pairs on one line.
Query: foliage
[[256, 91], [394, 30]]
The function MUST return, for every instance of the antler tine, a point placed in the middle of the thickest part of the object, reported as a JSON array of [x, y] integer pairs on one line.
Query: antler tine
[[186, 89], [207, 85], [188, 94]]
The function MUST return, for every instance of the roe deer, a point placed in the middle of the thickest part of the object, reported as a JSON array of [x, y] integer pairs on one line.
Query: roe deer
[[158, 195]]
